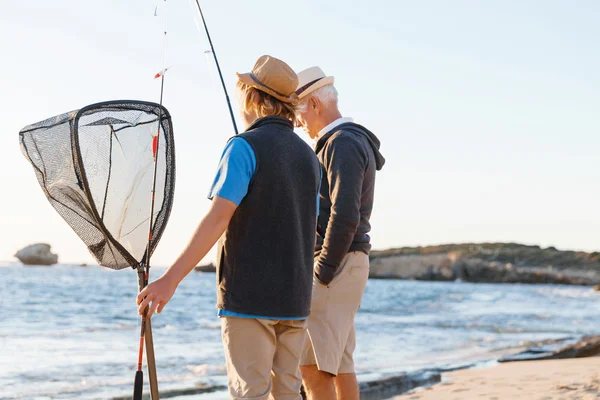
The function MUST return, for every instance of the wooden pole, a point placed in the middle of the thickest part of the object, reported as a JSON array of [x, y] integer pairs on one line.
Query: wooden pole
[[153, 380]]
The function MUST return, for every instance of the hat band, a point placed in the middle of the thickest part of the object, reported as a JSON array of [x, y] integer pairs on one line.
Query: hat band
[[255, 79], [309, 84]]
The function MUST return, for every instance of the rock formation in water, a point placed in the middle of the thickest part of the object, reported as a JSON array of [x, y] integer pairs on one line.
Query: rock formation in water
[[206, 268], [488, 262], [37, 254]]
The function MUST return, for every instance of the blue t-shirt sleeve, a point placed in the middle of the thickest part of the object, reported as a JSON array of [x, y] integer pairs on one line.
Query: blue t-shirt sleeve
[[236, 168]]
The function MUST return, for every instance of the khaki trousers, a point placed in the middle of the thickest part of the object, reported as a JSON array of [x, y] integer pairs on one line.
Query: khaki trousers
[[263, 357], [331, 321]]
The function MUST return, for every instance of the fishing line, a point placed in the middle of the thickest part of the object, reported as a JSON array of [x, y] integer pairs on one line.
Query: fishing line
[[144, 266], [209, 65], [212, 49], [207, 53], [192, 5]]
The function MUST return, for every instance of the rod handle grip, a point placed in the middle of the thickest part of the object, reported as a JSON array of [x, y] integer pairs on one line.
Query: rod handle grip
[[138, 385]]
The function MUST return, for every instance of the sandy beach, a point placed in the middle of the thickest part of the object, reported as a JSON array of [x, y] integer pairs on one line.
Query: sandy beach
[[533, 380]]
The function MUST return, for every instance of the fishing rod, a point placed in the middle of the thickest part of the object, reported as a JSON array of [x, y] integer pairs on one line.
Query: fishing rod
[[144, 266], [143, 278], [212, 49]]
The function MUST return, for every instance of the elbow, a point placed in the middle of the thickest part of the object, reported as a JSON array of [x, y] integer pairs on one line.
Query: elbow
[[346, 221]]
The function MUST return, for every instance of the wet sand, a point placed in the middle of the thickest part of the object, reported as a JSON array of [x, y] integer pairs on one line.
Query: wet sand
[[533, 380]]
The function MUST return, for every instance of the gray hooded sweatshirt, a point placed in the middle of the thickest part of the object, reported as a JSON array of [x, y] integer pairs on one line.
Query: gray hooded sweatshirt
[[350, 158]]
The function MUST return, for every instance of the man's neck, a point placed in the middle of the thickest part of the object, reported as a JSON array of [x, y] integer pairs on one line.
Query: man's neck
[[331, 117], [328, 119], [249, 119]]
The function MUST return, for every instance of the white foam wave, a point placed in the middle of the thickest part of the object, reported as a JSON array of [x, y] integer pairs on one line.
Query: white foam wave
[[207, 369]]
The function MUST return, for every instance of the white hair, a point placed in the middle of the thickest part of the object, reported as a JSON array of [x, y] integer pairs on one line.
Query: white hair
[[327, 95]]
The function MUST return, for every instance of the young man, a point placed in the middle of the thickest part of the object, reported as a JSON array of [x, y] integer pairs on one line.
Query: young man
[[264, 208], [350, 157]]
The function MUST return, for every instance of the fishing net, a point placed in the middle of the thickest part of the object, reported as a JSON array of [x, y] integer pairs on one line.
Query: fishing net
[[96, 167]]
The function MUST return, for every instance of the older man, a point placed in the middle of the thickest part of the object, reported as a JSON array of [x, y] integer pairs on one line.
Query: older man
[[349, 154]]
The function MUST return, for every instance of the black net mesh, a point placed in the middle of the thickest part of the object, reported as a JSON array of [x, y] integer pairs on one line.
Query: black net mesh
[[96, 168]]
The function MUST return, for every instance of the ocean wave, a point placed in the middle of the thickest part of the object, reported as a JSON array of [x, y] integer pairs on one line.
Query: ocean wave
[[210, 325], [569, 292], [87, 334], [207, 369], [169, 327]]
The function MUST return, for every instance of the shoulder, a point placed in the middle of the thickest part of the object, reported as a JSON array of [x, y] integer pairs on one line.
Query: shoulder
[[251, 136], [239, 148], [352, 129], [239, 143], [345, 139], [258, 136], [344, 145]]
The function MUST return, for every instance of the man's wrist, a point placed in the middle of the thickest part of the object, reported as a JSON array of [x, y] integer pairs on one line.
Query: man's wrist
[[324, 273], [171, 276]]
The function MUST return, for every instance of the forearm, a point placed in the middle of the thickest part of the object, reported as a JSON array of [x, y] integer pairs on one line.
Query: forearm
[[338, 239], [206, 235]]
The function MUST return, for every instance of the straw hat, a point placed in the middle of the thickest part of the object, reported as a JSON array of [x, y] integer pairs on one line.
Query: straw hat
[[274, 77], [310, 80]]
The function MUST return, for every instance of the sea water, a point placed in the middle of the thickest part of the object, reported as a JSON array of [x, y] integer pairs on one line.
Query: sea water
[[69, 332]]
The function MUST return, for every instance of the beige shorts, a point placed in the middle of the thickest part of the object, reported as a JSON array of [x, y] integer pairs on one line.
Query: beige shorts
[[331, 321], [263, 357]]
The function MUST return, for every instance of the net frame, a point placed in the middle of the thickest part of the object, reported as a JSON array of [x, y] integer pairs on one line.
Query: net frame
[[73, 119]]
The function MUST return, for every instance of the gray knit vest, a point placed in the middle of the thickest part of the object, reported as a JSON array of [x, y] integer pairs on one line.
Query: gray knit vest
[[265, 257]]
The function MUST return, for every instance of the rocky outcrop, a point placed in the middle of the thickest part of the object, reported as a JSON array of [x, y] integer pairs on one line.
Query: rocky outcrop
[[210, 268], [201, 388], [374, 390], [488, 262], [432, 267], [480, 271], [395, 385], [585, 347], [37, 254], [387, 387]]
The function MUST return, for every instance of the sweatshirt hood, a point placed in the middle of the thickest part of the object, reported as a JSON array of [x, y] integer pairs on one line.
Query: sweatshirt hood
[[357, 128]]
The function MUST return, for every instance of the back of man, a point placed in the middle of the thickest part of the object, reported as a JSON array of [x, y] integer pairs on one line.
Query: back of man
[[257, 275], [264, 210], [349, 154], [264, 263]]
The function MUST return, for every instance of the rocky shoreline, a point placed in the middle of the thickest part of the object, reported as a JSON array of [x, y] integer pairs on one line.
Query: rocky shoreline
[[389, 386], [488, 263]]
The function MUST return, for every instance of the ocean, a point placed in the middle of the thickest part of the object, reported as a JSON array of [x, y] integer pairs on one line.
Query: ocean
[[70, 332]]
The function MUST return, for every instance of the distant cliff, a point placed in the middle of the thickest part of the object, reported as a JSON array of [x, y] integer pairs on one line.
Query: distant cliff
[[488, 262]]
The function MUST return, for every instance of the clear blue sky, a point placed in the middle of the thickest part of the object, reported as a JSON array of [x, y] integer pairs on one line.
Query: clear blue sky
[[488, 112]]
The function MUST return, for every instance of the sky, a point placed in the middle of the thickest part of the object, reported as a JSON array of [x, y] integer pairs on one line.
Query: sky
[[487, 111]]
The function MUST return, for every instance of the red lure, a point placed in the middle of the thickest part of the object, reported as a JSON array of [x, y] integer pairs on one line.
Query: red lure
[[154, 145]]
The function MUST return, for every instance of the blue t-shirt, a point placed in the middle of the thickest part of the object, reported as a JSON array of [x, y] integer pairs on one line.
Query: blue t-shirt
[[236, 169]]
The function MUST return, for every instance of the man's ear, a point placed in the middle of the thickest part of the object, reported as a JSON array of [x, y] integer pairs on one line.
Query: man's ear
[[315, 104]]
